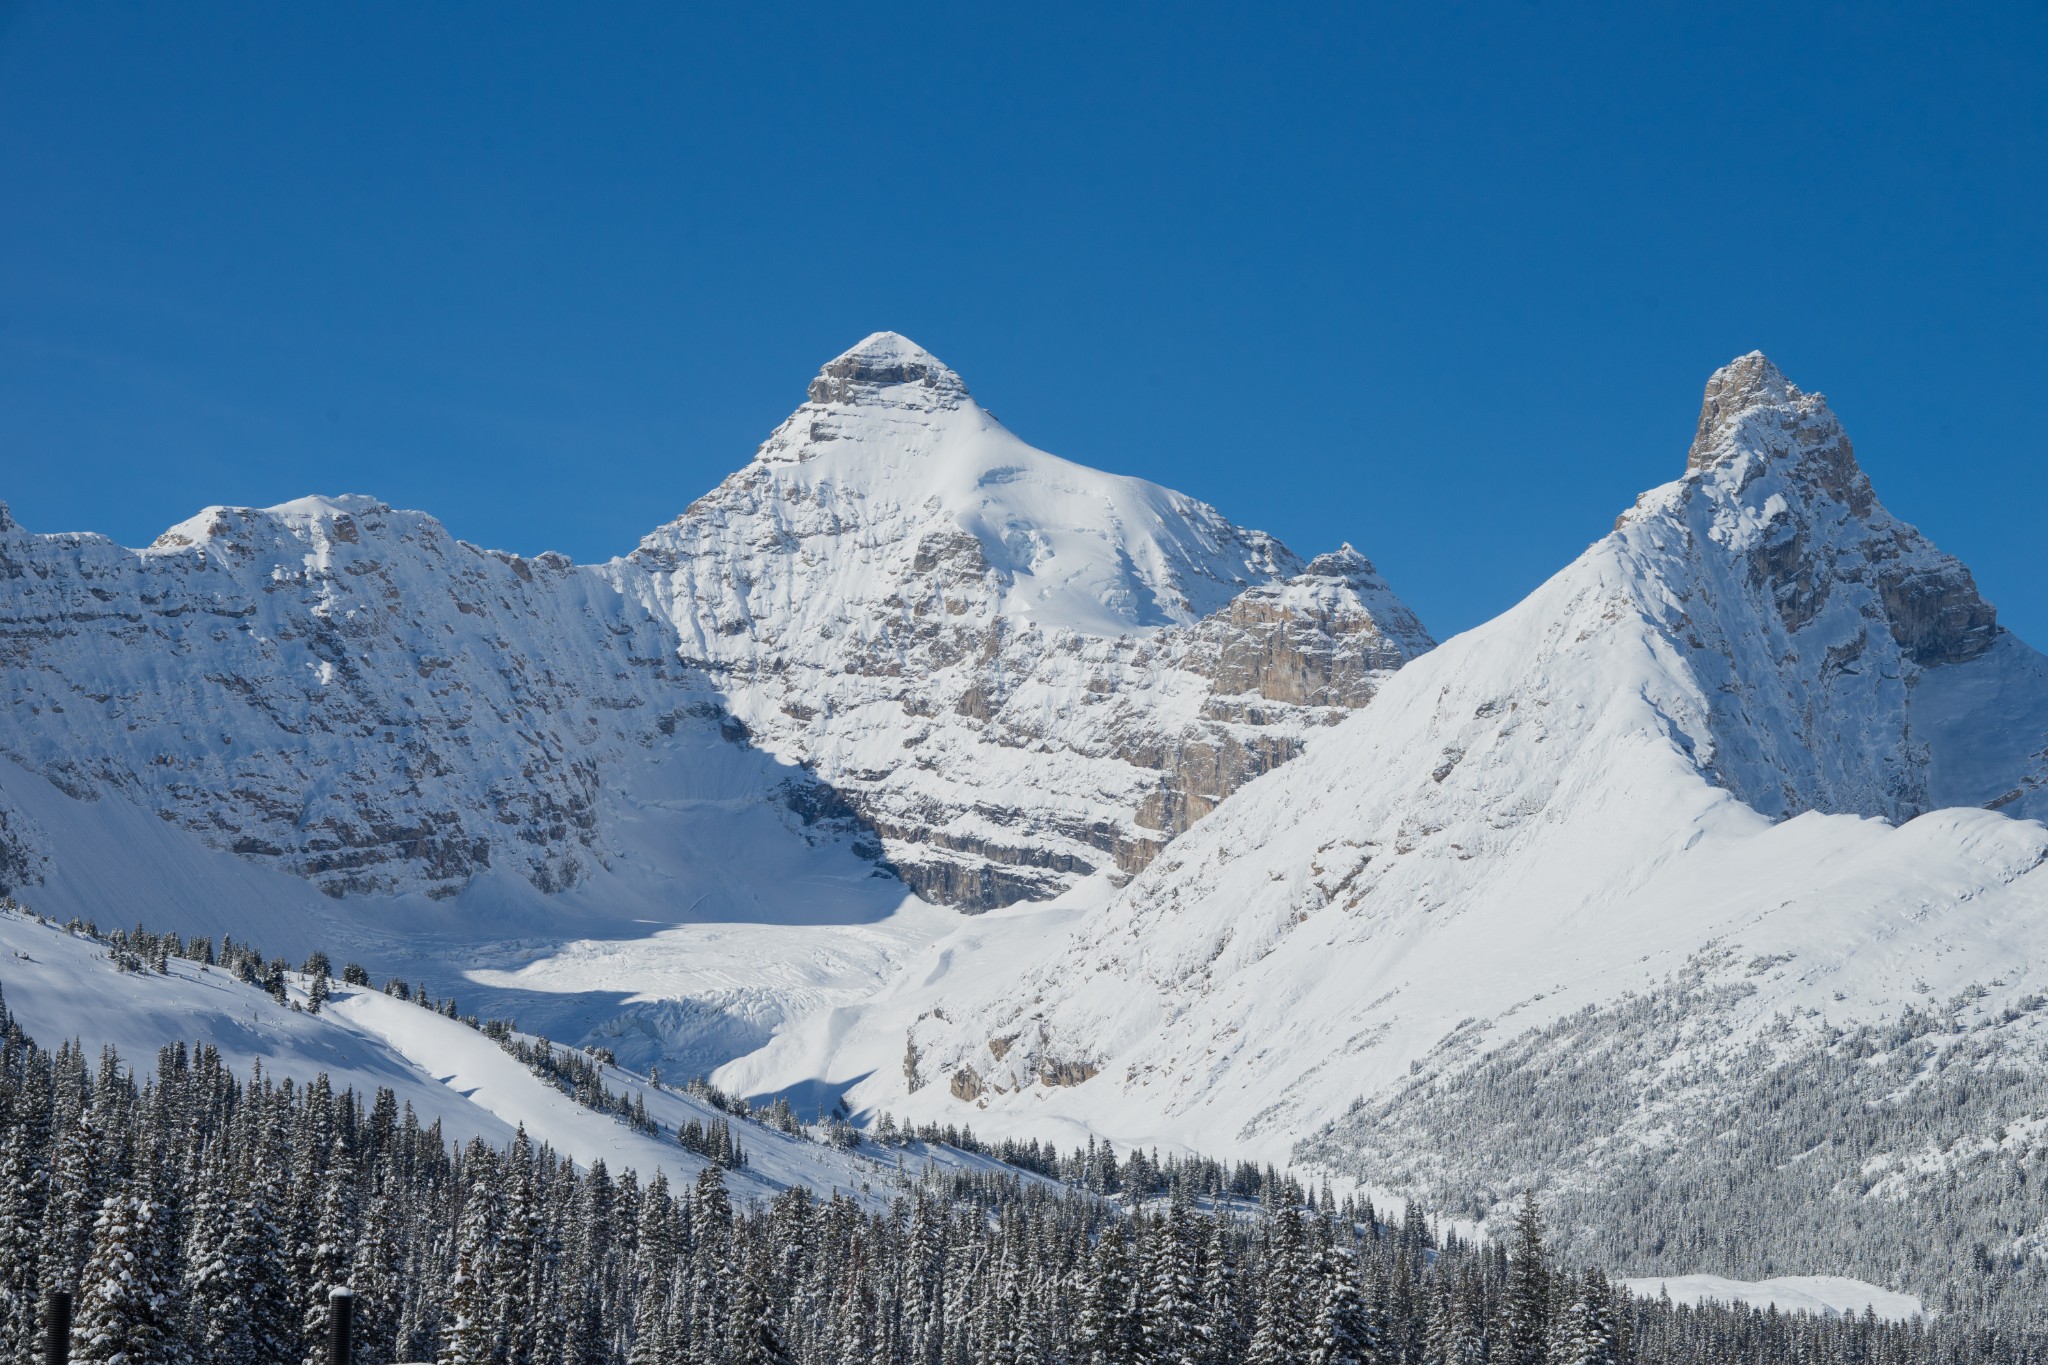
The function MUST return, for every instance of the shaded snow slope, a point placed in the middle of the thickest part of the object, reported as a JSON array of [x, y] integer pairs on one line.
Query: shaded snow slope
[[347, 693], [1567, 803], [684, 953]]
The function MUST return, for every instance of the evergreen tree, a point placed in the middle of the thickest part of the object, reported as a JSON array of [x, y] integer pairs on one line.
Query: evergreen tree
[[213, 1281], [514, 1262], [330, 1259], [77, 1189], [710, 1268], [1282, 1333], [378, 1261], [1170, 1315], [128, 1311], [755, 1340], [262, 1300], [1586, 1332], [1526, 1304], [1345, 1333], [23, 1184], [1222, 1325], [472, 1315], [1108, 1330]]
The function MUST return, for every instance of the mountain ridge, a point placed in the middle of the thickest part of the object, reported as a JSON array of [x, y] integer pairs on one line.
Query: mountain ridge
[[923, 575], [1756, 700]]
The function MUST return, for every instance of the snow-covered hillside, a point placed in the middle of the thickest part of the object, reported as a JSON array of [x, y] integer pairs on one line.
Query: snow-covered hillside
[[1821, 1295], [1703, 732], [348, 694], [62, 988]]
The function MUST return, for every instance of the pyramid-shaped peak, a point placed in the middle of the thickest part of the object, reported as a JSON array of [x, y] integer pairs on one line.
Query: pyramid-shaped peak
[[1743, 386], [885, 361]]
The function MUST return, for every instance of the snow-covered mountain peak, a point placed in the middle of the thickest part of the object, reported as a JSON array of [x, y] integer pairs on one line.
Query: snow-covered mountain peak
[[1734, 392], [1840, 653], [888, 369], [1020, 669], [1772, 482], [1755, 424], [893, 481]]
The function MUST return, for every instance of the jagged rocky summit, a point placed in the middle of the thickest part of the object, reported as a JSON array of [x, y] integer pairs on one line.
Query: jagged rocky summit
[[989, 669]]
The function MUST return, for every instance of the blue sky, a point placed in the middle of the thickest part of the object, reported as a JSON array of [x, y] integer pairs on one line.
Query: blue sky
[[1444, 281]]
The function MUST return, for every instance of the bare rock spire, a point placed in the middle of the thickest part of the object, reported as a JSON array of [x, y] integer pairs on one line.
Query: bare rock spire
[[1736, 389]]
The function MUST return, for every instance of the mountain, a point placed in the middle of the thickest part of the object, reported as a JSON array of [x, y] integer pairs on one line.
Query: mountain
[[1018, 670], [898, 652], [1761, 755]]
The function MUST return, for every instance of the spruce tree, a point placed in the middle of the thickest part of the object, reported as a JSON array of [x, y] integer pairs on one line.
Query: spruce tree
[[514, 1260], [22, 1188], [711, 1269], [1170, 1315], [331, 1252], [472, 1316], [1345, 1333], [213, 1281], [1108, 1331], [755, 1340], [1281, 1335], [127, 1312], [77, 1189], [1526, 1303], [1222, 1325], [377, 1265], [1586, 1332]]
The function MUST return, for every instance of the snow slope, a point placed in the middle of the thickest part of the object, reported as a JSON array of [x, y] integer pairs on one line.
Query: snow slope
[[62, 987], [1822, 1295], [1727, 728]]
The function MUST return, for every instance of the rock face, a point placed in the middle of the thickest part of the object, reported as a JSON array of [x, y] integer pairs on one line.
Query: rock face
[[1020, 671], [995, 670], [337, 689]]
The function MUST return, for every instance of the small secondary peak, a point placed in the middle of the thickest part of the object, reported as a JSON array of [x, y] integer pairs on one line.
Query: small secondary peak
[[1343, 562], [888, 361]]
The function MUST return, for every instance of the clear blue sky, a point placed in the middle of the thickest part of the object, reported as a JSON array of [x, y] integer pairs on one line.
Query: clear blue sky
[[1441, 280]]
